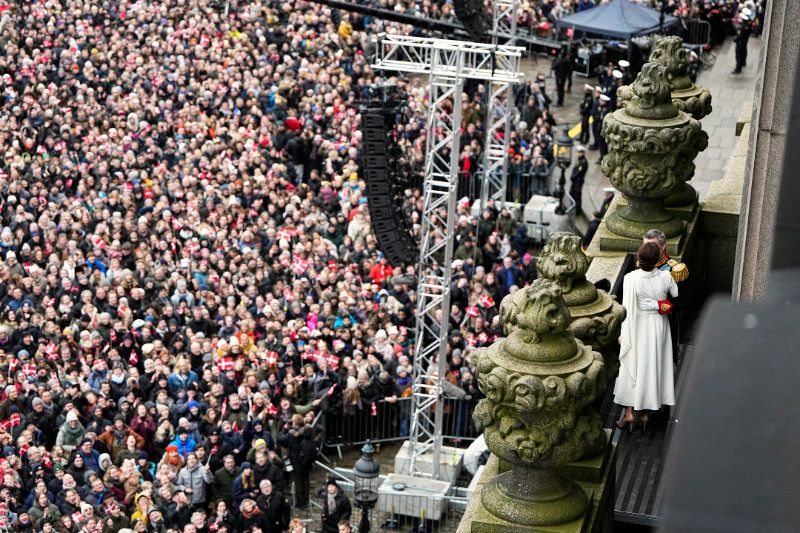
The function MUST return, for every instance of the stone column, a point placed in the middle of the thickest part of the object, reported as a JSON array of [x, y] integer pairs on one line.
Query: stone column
[[780, 55], [538, 383]]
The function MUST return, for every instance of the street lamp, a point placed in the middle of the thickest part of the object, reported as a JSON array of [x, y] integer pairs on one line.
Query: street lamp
[[366, 472], [563, 149]]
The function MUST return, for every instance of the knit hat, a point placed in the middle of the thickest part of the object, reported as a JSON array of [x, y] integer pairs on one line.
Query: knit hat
[[246, 465], [72, 416], [37, 401]]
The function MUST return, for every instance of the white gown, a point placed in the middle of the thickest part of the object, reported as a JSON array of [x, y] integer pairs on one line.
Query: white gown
[[646, 379]]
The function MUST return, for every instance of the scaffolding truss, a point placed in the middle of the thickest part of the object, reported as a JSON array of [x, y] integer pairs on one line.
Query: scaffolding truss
[[499, 106], [448, 64]]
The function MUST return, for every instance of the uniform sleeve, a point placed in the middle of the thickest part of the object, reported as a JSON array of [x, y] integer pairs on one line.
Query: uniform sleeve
[[672, 287]]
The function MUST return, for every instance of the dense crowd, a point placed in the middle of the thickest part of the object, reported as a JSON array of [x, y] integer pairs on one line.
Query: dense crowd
[[189, 279]]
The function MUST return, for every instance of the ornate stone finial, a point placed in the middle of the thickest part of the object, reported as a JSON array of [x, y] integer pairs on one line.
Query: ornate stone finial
[[686, 96], [652, 149], [596, 317], [538, 383]]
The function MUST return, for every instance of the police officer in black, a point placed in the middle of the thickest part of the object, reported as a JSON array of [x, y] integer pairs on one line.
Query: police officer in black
[[596, 124], [586, 111], [577, 179], [562, 67], [601, 112], [742, 37]]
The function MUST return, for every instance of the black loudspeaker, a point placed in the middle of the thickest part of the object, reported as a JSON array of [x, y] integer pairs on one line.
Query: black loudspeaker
[[473, 16], [388, 221]]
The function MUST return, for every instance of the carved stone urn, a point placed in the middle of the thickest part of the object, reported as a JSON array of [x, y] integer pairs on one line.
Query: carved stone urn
[[686, 95], [652, 148], [596, 317], [538, 382]]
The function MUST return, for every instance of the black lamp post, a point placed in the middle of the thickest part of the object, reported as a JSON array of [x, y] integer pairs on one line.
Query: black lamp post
[[563, 148], [366, 472]]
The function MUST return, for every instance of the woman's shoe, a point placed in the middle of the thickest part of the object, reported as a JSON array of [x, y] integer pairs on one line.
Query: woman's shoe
[[625, 421], [644, 419]]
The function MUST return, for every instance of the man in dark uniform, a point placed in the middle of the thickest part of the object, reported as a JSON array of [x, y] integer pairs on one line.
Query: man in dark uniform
[[612, 90], [673, 307], [602, 111], [625, 68], [741, 39], [562, 67], [577, 179], [586, 112]]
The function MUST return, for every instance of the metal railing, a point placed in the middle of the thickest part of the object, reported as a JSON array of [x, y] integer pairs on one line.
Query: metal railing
[[386, 422]]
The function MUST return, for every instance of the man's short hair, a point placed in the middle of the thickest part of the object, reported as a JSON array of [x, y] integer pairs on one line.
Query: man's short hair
[[656, 234]]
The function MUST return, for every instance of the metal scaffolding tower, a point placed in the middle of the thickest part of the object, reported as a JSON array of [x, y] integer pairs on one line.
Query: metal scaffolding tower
[[448, 63], [499, 105]]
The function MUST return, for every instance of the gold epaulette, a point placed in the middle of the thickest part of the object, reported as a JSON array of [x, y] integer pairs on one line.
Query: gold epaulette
[[679, 271]]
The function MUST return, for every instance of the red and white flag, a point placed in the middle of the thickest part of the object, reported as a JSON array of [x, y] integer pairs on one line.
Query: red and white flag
[[473, 311], [29, 370], [271, 358], [483, 338], [15, 419], [77, 517], [99, 243], [332, 361], [51, 351], [225, 364], [299, 266], [486, 301], [272, 410]]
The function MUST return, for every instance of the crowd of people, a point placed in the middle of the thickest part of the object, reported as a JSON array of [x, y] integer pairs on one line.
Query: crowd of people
[[189, 279]]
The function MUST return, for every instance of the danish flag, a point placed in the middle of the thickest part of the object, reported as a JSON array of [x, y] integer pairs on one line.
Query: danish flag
[[299, 266], [77, 517], [29, 370], [486, 301], [288, 295], [51, 351], [15, 420], [213, 526], [483, 338], [271, 358], [134, 358], [4, 425], [99, 243], [473, 311], [472, 341], [332, 361], [272, 410], [225, 364]]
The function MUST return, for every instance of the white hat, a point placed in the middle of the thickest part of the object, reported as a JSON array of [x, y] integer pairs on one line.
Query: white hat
[[604, 98], [746, 12], [580, 148], [617, 74], [234, 341], [381, 334], [586, 86], [137, 324], [598, 88], [623, 63], [147, 348]]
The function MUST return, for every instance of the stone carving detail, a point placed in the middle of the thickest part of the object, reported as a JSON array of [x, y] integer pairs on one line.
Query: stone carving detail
[[686, 96], [652, 148], [538, 383], [596, 317]]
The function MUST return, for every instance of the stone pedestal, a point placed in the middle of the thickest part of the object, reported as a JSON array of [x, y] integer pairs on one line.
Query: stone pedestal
[[594, 476]]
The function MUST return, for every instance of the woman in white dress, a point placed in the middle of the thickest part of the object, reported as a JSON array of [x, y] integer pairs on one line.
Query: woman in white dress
[[645, 380]]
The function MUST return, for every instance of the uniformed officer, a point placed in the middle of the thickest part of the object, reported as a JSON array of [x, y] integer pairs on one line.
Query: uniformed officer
[[602, 111], [679, 272], [612, 90], [577, 179], [742, 36], [625, 68], [586, 111]]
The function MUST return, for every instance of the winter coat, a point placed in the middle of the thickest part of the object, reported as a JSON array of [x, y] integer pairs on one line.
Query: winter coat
[[39, 519], [195, 479], [332, 517], [68, 438], [223, 483]]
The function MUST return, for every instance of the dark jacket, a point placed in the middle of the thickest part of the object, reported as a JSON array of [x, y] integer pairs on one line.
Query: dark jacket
[[301, 447], [332, 517]]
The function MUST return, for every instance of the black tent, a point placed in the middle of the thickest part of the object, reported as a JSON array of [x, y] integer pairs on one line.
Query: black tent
[[618, 19]]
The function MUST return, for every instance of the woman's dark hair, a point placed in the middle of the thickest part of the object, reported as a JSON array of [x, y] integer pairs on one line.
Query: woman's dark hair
[[648, 256]]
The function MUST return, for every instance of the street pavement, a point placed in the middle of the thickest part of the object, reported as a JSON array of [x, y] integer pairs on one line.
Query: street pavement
[[729, 93]]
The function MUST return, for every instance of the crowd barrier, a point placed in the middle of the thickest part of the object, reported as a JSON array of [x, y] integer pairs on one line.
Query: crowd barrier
[[385, 422]]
